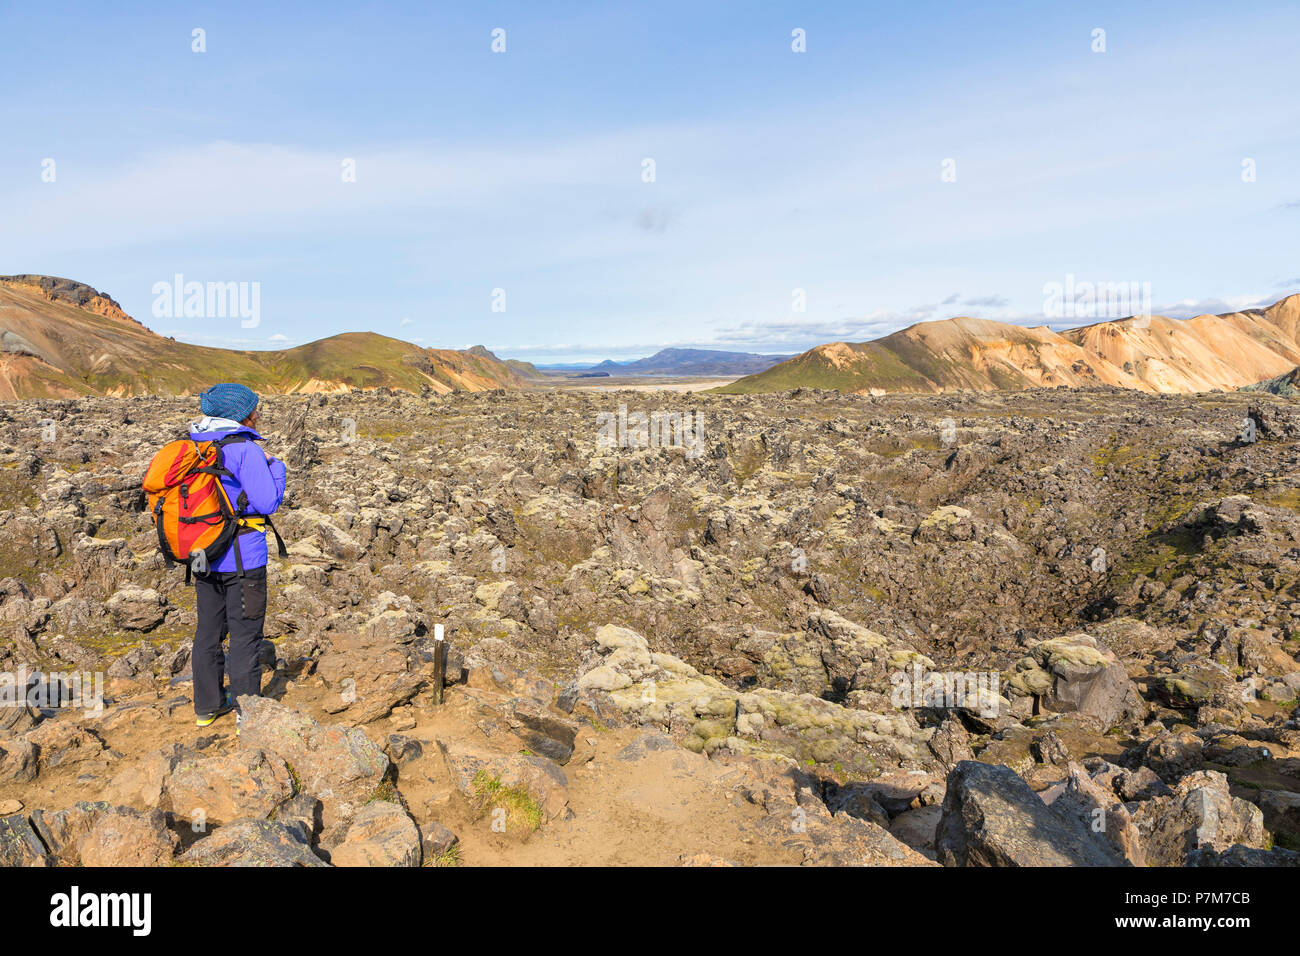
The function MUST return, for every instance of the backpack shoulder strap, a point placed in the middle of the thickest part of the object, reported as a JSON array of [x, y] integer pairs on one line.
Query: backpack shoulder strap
[[279, 541], [219, 468]]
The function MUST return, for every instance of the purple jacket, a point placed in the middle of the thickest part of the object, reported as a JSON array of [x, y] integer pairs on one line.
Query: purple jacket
[[259, 476]]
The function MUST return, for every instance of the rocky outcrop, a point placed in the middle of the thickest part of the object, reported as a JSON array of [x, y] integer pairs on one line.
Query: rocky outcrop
[[339, 765], [252, 843], [992, 818], [1075, 674], [1200, 813], [246, 784], [380, 834], [708, 716], [98, 834]]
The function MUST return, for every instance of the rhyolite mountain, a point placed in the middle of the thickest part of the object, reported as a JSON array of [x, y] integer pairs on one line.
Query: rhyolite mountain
[[62, 339], [1150, 354]]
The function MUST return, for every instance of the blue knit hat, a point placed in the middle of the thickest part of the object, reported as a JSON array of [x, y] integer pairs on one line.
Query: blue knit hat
[[228, 400]]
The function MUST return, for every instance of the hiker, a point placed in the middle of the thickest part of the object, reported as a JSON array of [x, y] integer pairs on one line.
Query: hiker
[[231, 593]]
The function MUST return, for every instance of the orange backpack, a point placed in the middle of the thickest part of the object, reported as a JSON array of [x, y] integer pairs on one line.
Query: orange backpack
[[190, 509]]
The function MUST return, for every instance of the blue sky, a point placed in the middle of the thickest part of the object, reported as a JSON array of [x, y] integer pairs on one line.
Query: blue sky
[[774, 170]]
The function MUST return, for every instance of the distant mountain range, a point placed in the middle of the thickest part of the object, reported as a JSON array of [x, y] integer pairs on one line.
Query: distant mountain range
[[702, 362], [60, 338], [1149, 353]]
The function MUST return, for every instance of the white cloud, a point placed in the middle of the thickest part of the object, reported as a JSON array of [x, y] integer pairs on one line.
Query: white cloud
[[842, 198], [1187, 308]]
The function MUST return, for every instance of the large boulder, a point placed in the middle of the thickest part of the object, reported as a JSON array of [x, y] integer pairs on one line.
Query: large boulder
[[18, 761], [123, 836], [843, 840], [1076, 673], [1194, 685], [244, 784], [62, 742], [1199, 813], [339, 765], [15, 717], [137, 609], [1281, 809], [252, 843], [946, 523], [369, 676], [854, 657], [1092, 801], [992, 818], [795, 817], [140, 783], [951, 743], [381, 834], [99, 834], [1173, 754]]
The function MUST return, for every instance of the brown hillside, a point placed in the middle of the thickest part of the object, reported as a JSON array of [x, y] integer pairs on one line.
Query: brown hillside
[[1152, 354], [60, 338]]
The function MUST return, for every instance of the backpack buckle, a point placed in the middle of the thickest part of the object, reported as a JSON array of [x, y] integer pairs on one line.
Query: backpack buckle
[[199, 562]]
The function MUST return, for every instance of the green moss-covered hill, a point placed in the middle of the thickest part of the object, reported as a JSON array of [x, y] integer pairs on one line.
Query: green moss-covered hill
[[60, 338]]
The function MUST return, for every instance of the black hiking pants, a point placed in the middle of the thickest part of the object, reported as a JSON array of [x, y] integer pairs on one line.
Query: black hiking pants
[[234, 606]]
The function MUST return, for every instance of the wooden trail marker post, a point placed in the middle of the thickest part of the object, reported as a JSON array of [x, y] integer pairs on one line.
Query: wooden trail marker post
[[439, 663]]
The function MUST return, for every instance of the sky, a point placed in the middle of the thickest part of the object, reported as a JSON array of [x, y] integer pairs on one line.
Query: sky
[[381, 167]]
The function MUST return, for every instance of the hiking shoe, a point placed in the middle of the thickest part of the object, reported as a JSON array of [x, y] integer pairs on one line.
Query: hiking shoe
[[202, 720]]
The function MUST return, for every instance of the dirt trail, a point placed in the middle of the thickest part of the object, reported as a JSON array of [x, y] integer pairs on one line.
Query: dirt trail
[[635, 798], [653, 811]]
